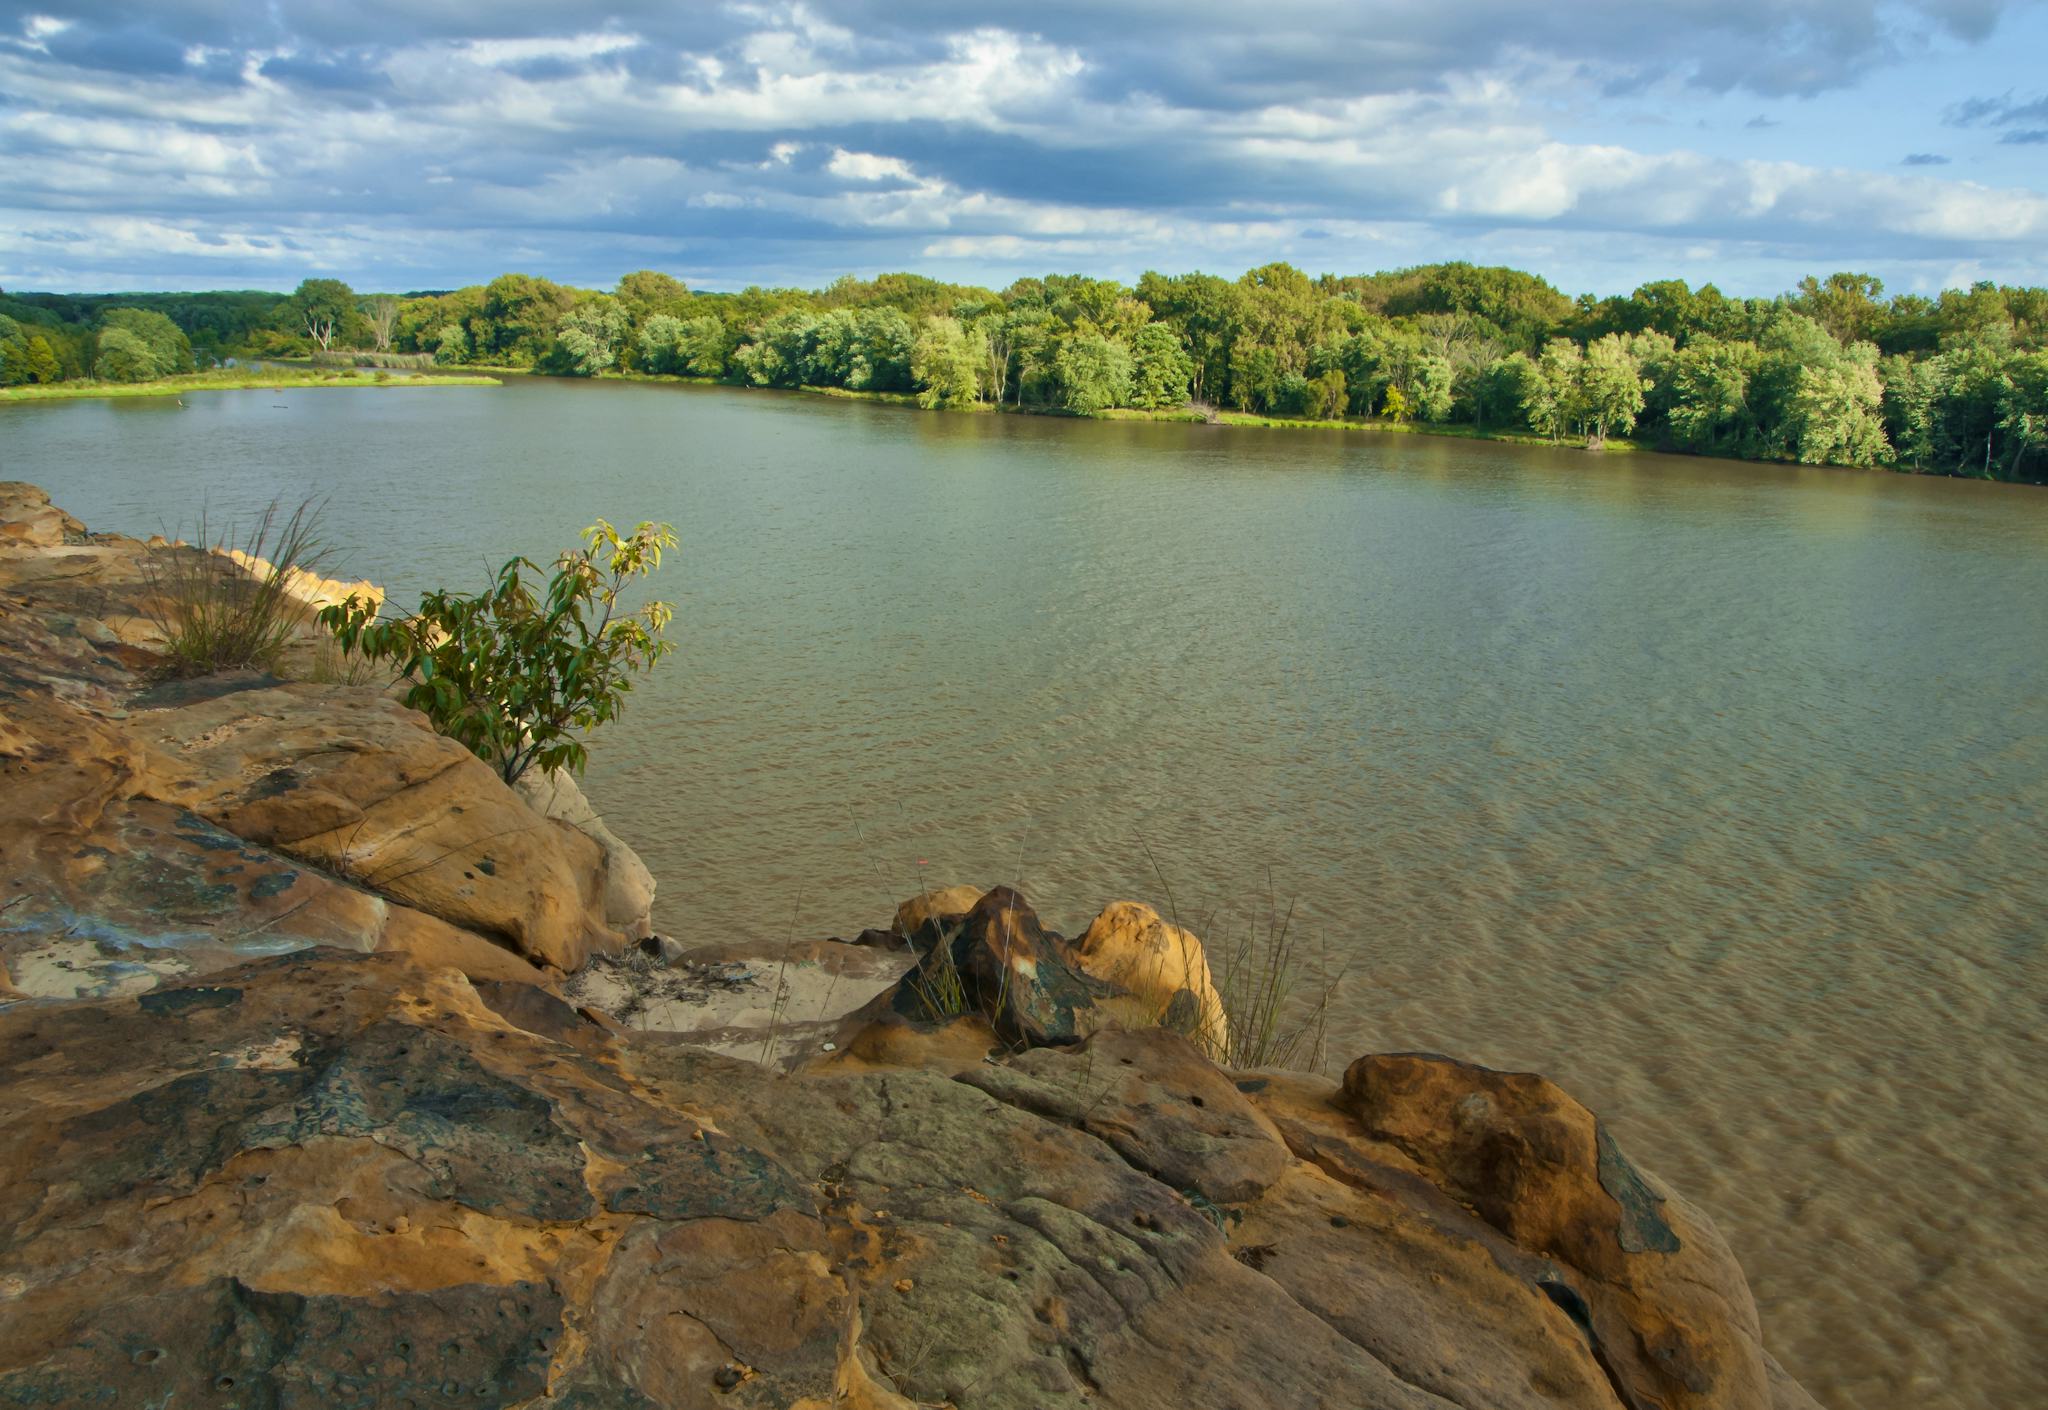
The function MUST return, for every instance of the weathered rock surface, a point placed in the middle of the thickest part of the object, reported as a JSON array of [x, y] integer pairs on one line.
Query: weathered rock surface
[[629, 886], [1131, 946], [324, 1178], [289, 1118], [1001, 962], [163, 828], [28, 519], [344, 777], [945, 907]]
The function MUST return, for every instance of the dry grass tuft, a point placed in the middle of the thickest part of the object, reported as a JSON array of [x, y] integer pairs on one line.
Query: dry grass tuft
[[214, 615]]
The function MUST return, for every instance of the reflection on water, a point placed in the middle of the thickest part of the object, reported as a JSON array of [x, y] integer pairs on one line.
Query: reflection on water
[[1714, 791]]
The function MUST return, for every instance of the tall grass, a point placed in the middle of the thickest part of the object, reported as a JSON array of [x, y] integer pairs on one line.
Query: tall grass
[[1276, 994], [215, 615]]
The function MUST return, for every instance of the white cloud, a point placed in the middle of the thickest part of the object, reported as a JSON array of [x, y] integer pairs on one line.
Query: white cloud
[[866, 166], [987, 145], [573, 48]]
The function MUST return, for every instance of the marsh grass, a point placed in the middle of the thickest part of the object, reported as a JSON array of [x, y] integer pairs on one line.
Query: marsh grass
[[214, 615]]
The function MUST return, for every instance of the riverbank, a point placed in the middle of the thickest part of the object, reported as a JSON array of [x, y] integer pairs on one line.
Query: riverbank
[[237, 379], [290, 1033], [1185, 415]]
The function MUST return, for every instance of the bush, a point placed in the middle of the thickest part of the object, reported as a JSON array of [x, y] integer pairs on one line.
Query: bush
[[219, 615], [512, 674]]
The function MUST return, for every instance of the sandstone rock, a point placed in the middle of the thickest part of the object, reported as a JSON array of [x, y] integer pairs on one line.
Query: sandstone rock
[[1662, 1294], [347, 778], [339, 1179], [1131, 946], [1163, 1106], [947, 907], [629, 886], [29, 520]]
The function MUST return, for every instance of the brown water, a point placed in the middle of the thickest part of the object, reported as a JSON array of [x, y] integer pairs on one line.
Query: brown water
[[1714, 791]]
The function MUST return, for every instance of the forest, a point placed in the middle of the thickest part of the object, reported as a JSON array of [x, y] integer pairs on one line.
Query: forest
[[1833, 372]]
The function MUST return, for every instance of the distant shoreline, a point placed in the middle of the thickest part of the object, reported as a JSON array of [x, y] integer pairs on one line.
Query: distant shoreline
[[234, 379], [1184, 415]]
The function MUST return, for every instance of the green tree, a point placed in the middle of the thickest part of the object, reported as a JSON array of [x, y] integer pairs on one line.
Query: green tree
[[518, 675], [703, 347], [1395, 408], [166, 352], [1161, 369], [1255, 371], [1836, 411], [1093, 373], [1550, 390], [1608, 394], [1845, 304], [660, 337], [2023, 416], [451, 344], [1327, 395], [646, 292], [41, 361], [123, 357], [587, 337], [1709, 404], [947, 364], [322, 307]]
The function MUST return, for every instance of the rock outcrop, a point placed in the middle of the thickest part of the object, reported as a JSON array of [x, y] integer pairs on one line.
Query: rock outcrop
[[629, 886], [152, 828], [296, 1110]]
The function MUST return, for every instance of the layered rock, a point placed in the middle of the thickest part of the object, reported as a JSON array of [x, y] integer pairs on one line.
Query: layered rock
[[168, 828], [323, 1178]]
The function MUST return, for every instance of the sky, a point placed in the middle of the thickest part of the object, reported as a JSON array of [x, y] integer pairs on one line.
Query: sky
[[428, 144]]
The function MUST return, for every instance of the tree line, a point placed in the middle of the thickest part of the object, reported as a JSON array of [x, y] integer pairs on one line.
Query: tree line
[[1833, 372]]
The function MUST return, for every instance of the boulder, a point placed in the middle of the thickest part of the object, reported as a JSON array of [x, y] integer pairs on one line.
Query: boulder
[[629, 886], [352, 781], [1658, 1289], [921, 917], [28, 519], [1160, 965], [1004, 965]]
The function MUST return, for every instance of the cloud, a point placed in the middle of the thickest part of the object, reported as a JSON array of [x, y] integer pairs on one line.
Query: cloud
[[1923, 159], [2024, 137], [866, 166], [1999, 111], [430, 142]]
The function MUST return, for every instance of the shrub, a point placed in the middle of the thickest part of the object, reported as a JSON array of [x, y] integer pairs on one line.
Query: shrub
[[515, 674], [218, 615]]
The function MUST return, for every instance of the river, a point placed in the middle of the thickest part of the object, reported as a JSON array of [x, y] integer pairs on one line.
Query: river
[[1714, 791]]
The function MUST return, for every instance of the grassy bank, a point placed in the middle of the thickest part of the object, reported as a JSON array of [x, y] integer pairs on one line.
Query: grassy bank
[[232, 379]]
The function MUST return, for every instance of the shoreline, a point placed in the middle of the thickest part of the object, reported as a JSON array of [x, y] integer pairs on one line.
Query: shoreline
[[229, 382], [1178, 415]]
